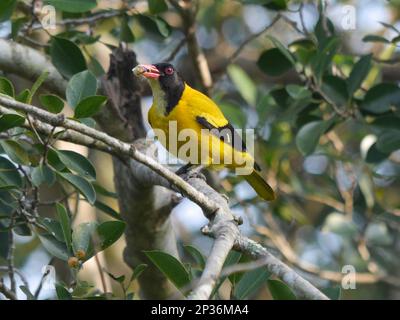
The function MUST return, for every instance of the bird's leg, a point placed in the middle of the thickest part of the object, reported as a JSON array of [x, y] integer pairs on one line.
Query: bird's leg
[[184, 169]]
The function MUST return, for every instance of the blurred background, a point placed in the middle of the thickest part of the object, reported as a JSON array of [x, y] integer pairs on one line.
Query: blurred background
[[335, 213]]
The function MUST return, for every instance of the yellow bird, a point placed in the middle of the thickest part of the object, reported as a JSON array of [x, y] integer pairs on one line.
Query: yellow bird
[[203, 135]]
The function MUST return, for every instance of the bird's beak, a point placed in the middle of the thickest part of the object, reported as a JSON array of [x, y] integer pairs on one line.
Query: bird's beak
[[146, 70]]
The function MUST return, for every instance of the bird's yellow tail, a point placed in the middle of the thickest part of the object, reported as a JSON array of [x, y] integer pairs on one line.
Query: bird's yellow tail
[[261, 186]]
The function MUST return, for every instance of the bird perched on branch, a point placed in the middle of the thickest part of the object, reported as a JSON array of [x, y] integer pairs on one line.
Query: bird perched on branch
[[203, 135]]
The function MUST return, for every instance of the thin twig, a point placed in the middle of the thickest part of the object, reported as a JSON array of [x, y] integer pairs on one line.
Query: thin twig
[[10, 256], [101, 273], [85, 20], [240, 48], [7, 292], [44, 275], [175, 51], [19, 273], [188, 14]]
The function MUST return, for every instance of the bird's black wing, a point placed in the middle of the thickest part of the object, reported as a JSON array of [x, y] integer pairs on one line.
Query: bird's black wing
[[225, 133]]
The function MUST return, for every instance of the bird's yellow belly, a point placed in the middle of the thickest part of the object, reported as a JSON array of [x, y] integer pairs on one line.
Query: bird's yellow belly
[[183, 137]]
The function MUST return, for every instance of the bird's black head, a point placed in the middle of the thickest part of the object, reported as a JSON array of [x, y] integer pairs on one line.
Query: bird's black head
[[169, 80]]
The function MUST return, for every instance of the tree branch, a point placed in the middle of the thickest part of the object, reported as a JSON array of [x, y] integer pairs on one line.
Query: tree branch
[[6, 292], [30, 64], [301, 287], [188, 14]]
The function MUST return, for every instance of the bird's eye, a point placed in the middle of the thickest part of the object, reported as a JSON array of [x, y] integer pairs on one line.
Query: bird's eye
[[169, 70]]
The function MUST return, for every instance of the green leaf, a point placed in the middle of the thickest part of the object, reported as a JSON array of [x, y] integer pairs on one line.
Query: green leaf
[[65, 223], [281, 97], [374, 155], [375, 38], [298, 92], [11, 120], [336, 90], [322, 58], [282, 49], [77, 163], [53, 227], [119, 279], [66, 57], [89, 106], [9, 175], [4, 246], [89, 122], [74, 6], [157, 6], [6, 9], [81, 184], [197, 255], [62, 293], [126, 34], [95, 67], [108, 210], [276, 5], [41, 174], [389, 26], [54, 247], [6, 87], [308, 136], [52, 102], [28, 294], [303, 50], [250, 282], [101, 190], [274, 63], [338, 223], [15, 151], [155, 25], [381, 97], [280, 291], [387, 122], [109, 232], [23, 96], [37, 85], [243, 83], [388, 141], [138, 271], [324, 28], [81, 85], [162, 26], [82, 237], [358, 73], [171, 267]]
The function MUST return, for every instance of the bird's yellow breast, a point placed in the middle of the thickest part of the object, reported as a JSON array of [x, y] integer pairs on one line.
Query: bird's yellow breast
[[182, 135]]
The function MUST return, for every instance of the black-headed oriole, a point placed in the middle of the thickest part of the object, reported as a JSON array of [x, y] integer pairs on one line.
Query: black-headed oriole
[[175, 101]]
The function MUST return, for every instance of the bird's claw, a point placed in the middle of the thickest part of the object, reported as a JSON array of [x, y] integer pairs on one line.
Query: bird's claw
[[238, 220]]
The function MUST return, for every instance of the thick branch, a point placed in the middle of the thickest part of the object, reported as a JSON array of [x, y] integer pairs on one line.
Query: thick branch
[[301, 287], [30, 64]]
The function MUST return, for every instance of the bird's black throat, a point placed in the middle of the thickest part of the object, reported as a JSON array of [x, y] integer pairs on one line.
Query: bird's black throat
[[173, 89]]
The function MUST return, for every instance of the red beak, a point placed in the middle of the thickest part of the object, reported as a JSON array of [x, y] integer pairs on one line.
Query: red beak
[[146, 70]]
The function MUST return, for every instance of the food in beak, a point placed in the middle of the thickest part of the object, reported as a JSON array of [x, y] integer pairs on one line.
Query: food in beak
[[146, 70]]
